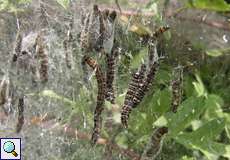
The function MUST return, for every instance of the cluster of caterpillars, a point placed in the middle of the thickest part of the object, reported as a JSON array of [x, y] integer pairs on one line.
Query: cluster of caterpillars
[[97, 34], [141, 80], [105, 89]]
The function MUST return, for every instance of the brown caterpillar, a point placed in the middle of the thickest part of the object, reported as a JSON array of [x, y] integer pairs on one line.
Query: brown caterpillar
[[18, 46], [110, 74], [159, 31], [100, 98], [43, 58], [133, 94], [20, 114], [154, 147], [138, 90], [177, 91]]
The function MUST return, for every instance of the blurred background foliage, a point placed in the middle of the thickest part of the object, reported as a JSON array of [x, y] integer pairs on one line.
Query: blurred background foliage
[[198, 40]]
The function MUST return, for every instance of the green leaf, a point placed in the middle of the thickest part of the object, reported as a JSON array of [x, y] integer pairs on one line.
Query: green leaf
[[210, 130], [214, 103], [201, 139], [216, 5], [210, 148], [138, 58], [64, 3], [160, 102], [187, 158], [214, 53], [199, 86], [189, 110]]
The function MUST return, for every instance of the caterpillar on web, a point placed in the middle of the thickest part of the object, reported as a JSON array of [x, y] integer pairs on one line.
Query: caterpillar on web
[[20, 114], [177, 91], [43, 58], [100, 98], [153, 149], [18, 46], [138, 87], [133, 94], [111, 60]]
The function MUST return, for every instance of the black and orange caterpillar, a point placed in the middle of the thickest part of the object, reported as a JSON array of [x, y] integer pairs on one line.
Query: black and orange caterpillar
[[177, 91], [139, 87], [111, 60], [154, 147], [100, 98], [18, 46], [133, 95], [137, 90], [43, 58], [20, 114], [159, 31]]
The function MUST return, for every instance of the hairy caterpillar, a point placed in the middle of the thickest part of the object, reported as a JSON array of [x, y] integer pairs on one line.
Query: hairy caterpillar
[[159, 31], [177, 90], [110, 74], [139, 86], [18, 46], [100, 98], [43, 58], [20, 114], [133, 95], [154, 147]]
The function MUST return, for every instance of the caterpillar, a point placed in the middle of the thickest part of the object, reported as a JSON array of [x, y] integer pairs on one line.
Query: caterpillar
[[20, 114], [139, 86], [159, 31], [100, 98], [154, 147], [132, 95], [18, 46], [43, 58], [110, 74], [177, 91]]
